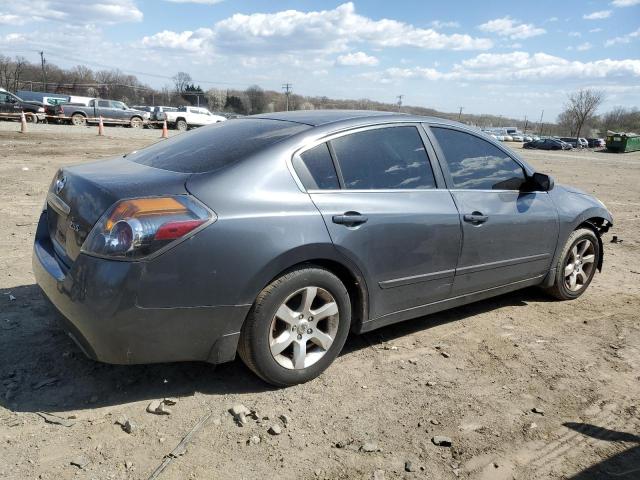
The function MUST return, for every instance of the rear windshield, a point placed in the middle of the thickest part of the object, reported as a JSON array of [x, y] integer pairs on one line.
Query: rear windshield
[[215, 146]]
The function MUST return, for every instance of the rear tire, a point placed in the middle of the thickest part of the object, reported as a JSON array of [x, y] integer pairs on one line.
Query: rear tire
[[577, 265], [78, 120], [296, 327]]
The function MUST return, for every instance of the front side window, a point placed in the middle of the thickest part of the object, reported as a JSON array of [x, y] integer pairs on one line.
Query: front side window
[[315, 169], [475, 164], [384, 158]]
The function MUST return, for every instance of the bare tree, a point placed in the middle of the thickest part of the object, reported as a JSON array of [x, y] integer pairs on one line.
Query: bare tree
[[581, 107], [256, 99], [181, 80], [18, 68]]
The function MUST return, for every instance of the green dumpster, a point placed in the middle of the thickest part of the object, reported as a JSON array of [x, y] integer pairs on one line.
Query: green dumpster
[[623, 142]]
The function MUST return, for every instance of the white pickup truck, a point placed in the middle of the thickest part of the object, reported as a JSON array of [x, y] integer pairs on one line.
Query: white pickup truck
[[187, 117]]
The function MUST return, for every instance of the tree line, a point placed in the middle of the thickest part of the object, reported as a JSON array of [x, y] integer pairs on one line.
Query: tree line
[[579, 118]]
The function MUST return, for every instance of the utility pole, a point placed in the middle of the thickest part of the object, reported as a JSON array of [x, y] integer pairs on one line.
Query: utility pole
[[287, 91], [400, 97], [460, 113], [44, 71], [540, 124], [525, 124]]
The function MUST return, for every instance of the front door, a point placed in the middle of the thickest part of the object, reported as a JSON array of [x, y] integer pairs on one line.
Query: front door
[[509, 234], [384, 210]]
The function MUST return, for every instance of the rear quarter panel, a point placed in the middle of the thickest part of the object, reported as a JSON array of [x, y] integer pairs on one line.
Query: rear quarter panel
[[265, 224]]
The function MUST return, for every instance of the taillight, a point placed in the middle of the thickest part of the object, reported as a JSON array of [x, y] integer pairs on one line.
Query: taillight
[[140, 227]]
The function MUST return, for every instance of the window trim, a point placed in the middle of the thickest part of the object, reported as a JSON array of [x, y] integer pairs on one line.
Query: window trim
[[442, 159], [431, 155]]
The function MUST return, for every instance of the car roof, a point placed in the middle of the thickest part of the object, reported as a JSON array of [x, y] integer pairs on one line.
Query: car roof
[[315, 118]]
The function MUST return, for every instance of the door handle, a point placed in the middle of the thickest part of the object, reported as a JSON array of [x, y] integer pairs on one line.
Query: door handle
[[350, 219], [475, 218]]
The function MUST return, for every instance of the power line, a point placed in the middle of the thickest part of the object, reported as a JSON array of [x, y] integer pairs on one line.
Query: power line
[[287, 87], [137, 72]]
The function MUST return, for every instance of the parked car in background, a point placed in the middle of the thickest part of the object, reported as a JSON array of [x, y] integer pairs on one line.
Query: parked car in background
[[517, 138], [596, 142], [547, 144], [575, 142], [10, 103], [143, 108], [156, 114], [111, 111], [276, 235], [188, 117]]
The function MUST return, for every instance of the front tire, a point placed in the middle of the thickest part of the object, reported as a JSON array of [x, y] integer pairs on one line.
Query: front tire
[[182, 125], [296, 327], [136, 122], [577, 265]]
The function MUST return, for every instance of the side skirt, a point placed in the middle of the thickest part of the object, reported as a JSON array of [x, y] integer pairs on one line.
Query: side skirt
[[448, 303]]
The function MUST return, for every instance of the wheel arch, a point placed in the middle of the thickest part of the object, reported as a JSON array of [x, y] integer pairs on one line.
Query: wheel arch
[[599, 226], [349, 274]]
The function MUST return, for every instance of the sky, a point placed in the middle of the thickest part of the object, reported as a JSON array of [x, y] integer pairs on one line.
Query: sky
[[506, 58]]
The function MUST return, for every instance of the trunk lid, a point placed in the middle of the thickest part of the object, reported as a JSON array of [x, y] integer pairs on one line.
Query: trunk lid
[[81, 194]]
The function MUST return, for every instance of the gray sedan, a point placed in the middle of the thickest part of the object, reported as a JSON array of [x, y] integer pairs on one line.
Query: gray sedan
[[274, 236]]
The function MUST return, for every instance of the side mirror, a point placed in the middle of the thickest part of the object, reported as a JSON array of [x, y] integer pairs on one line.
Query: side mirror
[[542, 182]]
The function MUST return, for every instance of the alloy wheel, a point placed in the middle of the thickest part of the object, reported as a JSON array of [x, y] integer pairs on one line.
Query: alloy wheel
[[580, 264], [304, 328]]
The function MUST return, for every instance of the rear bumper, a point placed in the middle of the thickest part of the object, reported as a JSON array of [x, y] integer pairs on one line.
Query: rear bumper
[[97, 299]]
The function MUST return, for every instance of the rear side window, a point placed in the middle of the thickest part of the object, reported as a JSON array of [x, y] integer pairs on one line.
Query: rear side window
[[215, 146], [475, 164], [316, 170], [384, 158]]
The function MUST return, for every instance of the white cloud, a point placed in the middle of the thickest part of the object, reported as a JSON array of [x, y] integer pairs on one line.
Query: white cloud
[[326, 31], [357, 59], [595, 30], [518, 66], [599, 15], [625, 3], [441, 24], [195, 41], [584, 47], [552, 19], [575, 34], [10, 19], [200, 2], [623, 39], [514, 29], [75, 13]]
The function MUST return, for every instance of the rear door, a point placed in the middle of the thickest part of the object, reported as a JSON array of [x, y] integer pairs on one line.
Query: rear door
[[509, 235], [387, 210], [104, 108]]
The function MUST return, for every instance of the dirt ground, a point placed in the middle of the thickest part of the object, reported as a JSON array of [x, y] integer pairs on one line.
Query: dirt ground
[[577, 363]]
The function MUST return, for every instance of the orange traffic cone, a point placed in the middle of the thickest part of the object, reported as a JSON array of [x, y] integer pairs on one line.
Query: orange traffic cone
[[23, 123], [165, 131], [100, 127]]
